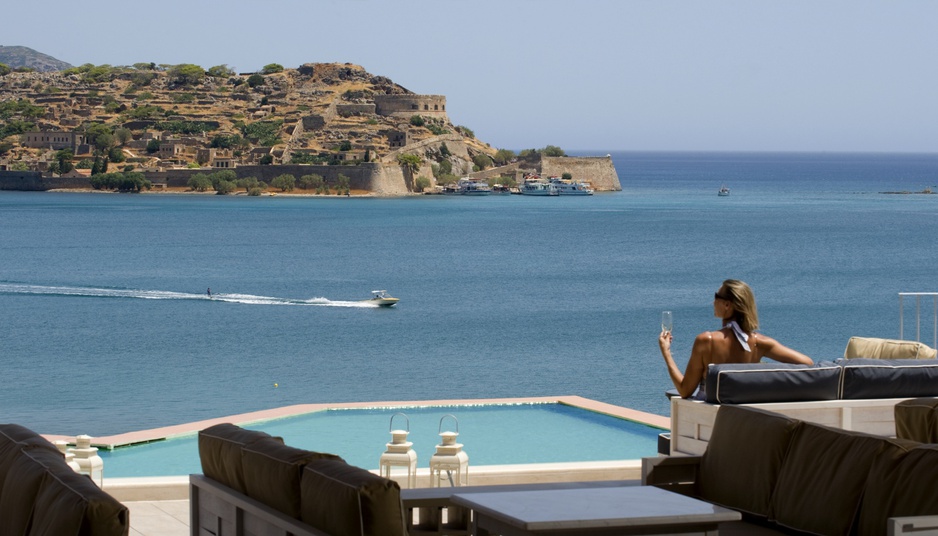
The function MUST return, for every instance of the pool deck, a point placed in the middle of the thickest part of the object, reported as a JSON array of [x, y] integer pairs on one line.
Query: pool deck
[[156, 434], [159, 506]]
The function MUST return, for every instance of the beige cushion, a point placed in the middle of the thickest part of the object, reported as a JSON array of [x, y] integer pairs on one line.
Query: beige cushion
[[823, 477], [344, 500], [742, 461], [272, 473], [70, 503], [220, 453], [917, 419], [898, 487], [873, 348]]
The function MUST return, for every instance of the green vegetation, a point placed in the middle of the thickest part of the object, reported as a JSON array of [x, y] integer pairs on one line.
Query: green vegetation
[[185, 127], [342, 185], [421, 183], [481, 161], [186, 74], [311, 182], [417, 121], [264, 133], [272, 68], [220, 71], [504, 156], [410, 162], [4, 69], [122, 182], [285, 182], [255, 80]]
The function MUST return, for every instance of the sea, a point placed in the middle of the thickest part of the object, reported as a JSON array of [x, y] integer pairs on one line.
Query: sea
[[106, 326]]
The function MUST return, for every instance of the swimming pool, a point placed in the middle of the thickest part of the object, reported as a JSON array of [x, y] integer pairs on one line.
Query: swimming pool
[[492, 435]]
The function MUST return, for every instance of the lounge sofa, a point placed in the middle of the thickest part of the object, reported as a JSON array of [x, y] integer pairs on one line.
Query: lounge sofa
[[42, 496], [254, 484], [787, 475], [855, 394]]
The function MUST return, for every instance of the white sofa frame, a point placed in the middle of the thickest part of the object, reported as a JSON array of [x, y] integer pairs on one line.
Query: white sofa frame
[[692, 420]]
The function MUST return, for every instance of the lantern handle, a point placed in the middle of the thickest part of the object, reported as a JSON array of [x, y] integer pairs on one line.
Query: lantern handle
[[391, 425], [454, 419]]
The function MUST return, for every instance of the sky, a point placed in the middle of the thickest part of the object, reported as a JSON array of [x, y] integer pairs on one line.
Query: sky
[[639, 75]]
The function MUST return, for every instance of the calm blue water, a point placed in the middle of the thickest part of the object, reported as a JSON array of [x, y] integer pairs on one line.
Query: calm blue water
[[104, 326], [491, 435]]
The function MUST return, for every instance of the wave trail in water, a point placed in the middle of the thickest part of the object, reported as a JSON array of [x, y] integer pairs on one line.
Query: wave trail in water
[[143, 294]]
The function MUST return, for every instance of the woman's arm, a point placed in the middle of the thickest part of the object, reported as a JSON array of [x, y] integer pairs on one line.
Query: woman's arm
[[781, 353], [687, 382]]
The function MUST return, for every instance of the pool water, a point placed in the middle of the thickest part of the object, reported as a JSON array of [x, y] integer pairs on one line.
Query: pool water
[[491, 435]]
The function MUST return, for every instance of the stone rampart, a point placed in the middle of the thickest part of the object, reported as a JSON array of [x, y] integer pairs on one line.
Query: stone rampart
[[596, 170], [352, 109], [408, 105], [33, 181]]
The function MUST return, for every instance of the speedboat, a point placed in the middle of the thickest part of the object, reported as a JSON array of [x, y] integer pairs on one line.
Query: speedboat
[[381, 298], [724, 191]]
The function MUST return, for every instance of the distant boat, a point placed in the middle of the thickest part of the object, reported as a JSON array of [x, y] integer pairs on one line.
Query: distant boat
[[381, 298], [566, 187], [724, 191], [470, 187], [538, 187]]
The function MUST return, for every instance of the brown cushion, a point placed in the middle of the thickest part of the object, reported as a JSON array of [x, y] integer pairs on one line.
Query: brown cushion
[[900, 486], [823, 477], [742, 461], [917, 419], [21, 486], [13, 438], [220, 453], [70, 503], [272, 473], [344, 500]]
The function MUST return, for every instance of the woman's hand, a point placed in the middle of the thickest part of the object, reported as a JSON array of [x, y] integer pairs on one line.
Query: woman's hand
[[664, 341]]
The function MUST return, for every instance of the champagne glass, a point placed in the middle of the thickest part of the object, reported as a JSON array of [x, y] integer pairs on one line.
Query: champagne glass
[[667, 321]]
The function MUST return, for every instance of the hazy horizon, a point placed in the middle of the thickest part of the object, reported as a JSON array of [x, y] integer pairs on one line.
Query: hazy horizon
[[616, 75]]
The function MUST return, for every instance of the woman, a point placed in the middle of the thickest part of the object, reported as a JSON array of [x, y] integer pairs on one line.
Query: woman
[[736, 342]]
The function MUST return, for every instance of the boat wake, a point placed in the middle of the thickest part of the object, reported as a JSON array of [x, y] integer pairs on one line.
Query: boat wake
[[141, 294]]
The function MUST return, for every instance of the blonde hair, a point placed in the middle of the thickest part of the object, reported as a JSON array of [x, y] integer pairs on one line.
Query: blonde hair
[[744, 304]]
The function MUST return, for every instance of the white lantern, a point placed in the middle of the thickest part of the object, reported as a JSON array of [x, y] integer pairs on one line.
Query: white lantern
[[89, 463], [399, 453], [449, 459], [69, 455]]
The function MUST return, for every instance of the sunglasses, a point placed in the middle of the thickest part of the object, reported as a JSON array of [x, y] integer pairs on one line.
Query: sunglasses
[[716, 296]]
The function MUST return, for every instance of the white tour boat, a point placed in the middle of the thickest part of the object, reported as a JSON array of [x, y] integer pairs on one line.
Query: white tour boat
[[538, 187], [566, 187]]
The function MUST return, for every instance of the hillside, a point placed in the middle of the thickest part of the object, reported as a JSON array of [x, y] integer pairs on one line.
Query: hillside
[[183, 117], [17, 57]]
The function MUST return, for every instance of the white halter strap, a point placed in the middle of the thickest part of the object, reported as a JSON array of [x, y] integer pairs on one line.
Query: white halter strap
[[741, 335]]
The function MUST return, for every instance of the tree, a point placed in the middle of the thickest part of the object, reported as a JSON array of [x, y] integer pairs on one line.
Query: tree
[[255, 80], [4, 69], [553, 150], [115, 154], [63, 159], [482, 161], [123, 135], [503, 156], [310, 182], [346, 145], [220, 71], [421, 184], [186, 74], [100, 136], [199, 182], [285, 182], [342, 185], [224, 187], [153, 146], [417, 121], [410, 162], [272, 68]]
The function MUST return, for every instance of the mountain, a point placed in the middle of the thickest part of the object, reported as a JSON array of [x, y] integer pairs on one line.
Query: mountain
[[16, 56]]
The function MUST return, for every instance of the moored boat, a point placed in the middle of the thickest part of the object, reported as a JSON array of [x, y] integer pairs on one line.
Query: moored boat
[[570, 187], [538, 187]]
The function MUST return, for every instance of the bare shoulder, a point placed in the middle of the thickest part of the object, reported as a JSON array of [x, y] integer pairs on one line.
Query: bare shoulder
[[703, 337]]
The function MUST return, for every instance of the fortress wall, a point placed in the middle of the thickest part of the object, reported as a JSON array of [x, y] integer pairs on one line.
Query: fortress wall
[[382, 180], [596, 170], [33, 181], [408, 105], [349, 109]]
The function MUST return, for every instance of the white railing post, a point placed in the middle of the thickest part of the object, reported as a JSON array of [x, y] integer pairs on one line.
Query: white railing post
[[918, 315]]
